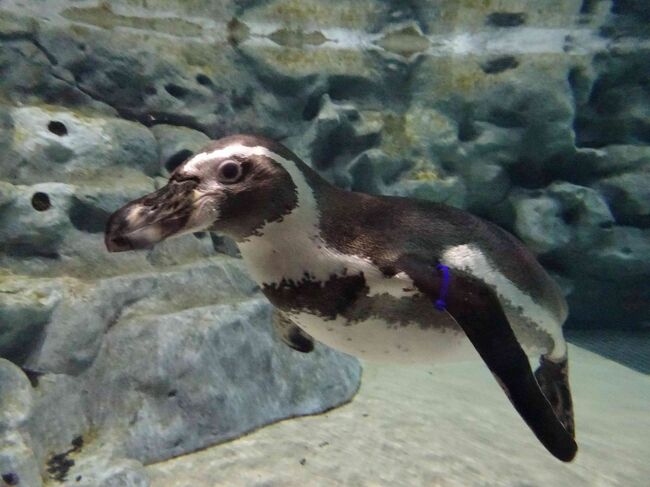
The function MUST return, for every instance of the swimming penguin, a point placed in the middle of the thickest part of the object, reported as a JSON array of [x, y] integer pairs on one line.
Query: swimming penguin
[[378, 277]]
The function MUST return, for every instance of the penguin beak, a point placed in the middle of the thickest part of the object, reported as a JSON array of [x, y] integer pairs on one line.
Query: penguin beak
[[148, 220]]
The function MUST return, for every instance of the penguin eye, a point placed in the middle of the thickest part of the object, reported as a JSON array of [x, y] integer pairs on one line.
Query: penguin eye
[[229, 172]]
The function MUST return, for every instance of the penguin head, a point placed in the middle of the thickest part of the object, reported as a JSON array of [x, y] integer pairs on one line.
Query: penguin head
[[233, 186]]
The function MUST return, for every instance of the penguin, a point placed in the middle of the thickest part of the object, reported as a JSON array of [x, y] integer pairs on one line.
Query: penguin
[[379, 277]]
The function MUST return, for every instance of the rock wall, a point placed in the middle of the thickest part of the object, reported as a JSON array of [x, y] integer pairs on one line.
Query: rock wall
[[534, 114]]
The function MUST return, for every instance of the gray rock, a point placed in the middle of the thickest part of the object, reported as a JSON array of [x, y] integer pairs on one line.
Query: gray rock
[[176, 144], [610, 160], [337, 132], [609, 280], [574, 230], [562, 217], [223, 361], [26, 306], [76, 328], [629, 196], [100, 467], [17, 460], [57, 144], [538, 222], [36, 219], [58, 421], [373, 171], [15, 397]]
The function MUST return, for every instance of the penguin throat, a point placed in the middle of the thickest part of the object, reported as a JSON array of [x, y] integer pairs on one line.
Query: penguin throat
[[291, 248]]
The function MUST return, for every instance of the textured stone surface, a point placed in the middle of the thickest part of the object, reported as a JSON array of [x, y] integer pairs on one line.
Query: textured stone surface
[[17, 460], [531, 113], [15, 397], [447, 425]]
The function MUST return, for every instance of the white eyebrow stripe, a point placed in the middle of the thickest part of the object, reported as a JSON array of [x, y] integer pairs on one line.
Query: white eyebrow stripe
[[195, 163]]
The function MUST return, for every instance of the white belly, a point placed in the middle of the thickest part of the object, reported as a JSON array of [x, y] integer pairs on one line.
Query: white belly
[[376, 340]]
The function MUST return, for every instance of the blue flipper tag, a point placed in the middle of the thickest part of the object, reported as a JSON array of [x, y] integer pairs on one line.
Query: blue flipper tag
[[441, 303]]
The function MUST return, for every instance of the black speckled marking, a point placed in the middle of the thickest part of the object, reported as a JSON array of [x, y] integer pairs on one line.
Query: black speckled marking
[[327, 299], [59, 465], [346, 296], [397, 312]]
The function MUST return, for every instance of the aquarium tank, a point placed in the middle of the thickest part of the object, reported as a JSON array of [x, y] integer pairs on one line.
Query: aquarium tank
[[243, 243]]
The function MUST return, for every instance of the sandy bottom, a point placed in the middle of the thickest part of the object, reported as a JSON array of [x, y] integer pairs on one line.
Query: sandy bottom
[[444, 425]]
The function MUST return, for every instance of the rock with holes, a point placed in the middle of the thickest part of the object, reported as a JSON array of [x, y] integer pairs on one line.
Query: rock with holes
[[576, 234], [538, 221], [338, 131], [373, 171], [34, 219], [176, 144], [121, 59], [629, 196], [562, 218], [55, 144], [300, 59]]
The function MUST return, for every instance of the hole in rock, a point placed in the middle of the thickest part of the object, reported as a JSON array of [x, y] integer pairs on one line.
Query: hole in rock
[[175, 90], [41, 201], [57, 128], [202, 79], [86, 217], [312, 107], [588, 6], [506, 19], [499, 64], [570, 216], [10, 478], [177, 159]]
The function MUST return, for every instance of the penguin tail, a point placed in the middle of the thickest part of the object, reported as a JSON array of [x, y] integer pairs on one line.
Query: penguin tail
[[553, 379]]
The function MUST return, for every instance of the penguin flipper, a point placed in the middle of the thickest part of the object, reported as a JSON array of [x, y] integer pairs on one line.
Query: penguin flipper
[[476, 308], [291, 334]]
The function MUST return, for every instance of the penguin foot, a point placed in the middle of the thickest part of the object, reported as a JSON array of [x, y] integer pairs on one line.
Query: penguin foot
[[553, 380]]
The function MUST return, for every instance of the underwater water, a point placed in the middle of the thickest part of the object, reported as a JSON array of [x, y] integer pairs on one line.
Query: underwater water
[[166, 365]]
